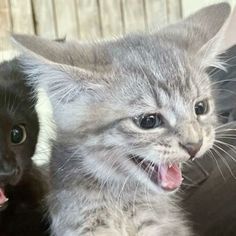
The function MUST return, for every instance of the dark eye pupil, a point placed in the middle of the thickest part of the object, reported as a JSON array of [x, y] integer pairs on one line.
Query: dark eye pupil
[[150, 121], [201, 108], [17, 134]]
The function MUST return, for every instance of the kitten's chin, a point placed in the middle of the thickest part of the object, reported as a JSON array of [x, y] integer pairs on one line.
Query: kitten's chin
[[166, 176]]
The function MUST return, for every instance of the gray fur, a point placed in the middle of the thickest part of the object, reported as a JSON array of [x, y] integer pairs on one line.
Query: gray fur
[[96, 90]]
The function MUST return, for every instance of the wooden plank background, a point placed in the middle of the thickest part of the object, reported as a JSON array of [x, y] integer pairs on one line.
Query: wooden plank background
[[89, 19]]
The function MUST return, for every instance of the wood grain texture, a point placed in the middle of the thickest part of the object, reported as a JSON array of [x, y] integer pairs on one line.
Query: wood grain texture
[[174, 10], [44, 18], [134, 15], [5, 24], [89, 19], [111, 18], [66, 18], [156, 13], [22, 17], [190, 6], [5, 21]]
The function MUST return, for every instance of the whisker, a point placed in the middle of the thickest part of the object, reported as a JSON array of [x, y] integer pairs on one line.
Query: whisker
[[233, 123], [224, 160], [217, 164]]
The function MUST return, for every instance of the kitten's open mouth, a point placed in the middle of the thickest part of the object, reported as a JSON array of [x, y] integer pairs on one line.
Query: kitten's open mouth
[[167, 176], [3, 199]]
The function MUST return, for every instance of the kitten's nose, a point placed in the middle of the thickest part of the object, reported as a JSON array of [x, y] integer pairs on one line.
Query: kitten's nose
[[192, 148], [8, 171]]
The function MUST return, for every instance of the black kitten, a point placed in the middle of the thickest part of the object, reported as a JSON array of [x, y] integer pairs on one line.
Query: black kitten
[[22, 185]]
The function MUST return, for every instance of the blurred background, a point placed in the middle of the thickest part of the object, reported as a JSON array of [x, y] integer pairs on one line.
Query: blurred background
[[89, 19]]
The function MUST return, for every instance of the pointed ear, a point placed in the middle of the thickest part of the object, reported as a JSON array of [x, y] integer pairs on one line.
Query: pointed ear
[[202, 33], [59, 51], [84, 55], [62, 83], [51, 50], [49, 66], [65, 86]]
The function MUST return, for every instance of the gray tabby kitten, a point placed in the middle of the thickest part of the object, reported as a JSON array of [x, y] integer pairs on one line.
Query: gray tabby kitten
[[128, 112]]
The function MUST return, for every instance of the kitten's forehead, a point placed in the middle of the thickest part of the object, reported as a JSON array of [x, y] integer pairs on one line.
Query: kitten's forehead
[[163, 70], [157, 55]]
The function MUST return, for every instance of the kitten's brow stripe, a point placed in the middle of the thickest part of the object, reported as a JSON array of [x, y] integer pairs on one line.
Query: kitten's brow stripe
[[152, 81], [163, 86], [102, 128], [187, 80]]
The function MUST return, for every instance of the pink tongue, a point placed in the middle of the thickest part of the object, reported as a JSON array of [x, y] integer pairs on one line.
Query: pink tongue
[[170, 177], [3, 198]]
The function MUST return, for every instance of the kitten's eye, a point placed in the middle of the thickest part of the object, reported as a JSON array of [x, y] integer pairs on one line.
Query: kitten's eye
[[18, 134], [149, 121], [201, 107]]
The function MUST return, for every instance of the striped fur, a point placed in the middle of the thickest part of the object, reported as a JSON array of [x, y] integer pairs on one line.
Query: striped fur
[[96, 91]]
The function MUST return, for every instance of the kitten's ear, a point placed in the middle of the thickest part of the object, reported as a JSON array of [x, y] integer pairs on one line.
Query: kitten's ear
[[60, 51], [49, 49], [63, 83], [82, 54], [202, 33]]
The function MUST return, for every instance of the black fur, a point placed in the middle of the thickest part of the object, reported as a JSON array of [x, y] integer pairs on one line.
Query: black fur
[[23, 182]]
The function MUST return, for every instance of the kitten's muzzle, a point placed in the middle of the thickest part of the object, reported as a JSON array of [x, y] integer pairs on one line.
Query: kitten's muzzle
[[192, 148], [8, 174], [9, 169]]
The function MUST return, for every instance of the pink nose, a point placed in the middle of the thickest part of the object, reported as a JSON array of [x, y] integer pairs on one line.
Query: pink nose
[[192, 148]]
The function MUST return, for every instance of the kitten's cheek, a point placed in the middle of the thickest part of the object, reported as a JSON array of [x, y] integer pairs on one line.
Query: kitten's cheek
[[19, 167], [17, 177], [208, 141]]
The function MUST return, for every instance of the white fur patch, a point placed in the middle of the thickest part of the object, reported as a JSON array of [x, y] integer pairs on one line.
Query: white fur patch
[[47, 128]]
